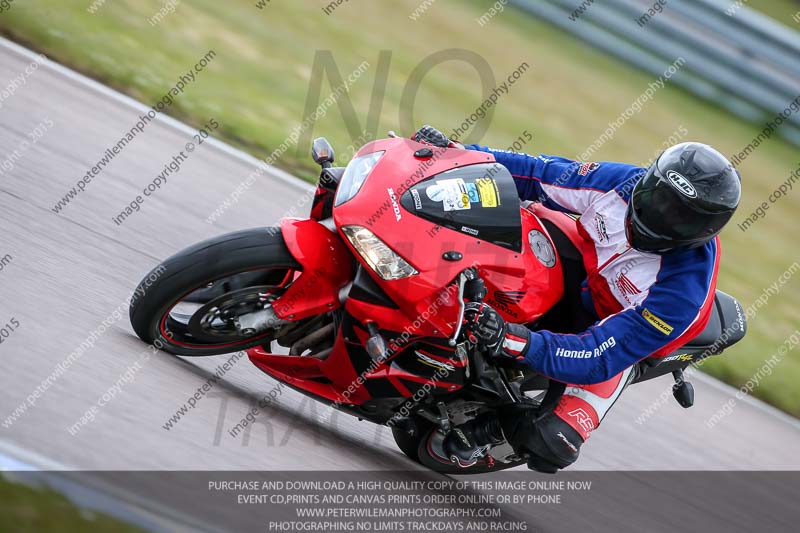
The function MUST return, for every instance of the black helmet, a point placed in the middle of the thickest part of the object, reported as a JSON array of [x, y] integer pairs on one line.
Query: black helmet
[[683, 201]]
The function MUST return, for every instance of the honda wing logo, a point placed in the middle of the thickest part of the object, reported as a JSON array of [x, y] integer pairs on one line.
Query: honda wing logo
[[627, 287], [509, 297]]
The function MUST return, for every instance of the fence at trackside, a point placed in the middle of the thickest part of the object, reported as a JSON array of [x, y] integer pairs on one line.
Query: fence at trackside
[[736, 57]]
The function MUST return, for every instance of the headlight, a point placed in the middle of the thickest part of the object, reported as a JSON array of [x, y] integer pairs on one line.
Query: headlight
[[354, 176], [387, 264]]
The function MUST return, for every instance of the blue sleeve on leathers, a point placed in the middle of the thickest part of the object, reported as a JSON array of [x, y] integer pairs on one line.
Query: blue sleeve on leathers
[[561, 183]]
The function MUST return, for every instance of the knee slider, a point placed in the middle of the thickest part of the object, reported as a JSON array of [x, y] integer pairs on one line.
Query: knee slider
[[555, 441]]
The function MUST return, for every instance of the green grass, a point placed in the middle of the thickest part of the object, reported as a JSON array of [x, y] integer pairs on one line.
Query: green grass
[[256, 88], [783, 11], [24, 509]]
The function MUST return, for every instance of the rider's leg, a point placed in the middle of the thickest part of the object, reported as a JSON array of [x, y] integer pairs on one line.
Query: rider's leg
[[553, 438]]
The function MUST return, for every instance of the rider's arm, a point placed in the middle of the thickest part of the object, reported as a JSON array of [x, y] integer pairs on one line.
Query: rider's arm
[[561, 183], [621, 340]]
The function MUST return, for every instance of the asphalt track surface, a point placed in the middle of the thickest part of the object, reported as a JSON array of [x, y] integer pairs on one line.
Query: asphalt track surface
[[70, 270]]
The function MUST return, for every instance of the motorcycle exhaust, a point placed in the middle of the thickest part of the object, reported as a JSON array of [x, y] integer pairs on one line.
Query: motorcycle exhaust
[[312, 339]]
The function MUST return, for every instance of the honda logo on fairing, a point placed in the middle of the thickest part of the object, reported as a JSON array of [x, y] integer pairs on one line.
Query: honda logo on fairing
[[682, 184], [395, 207]]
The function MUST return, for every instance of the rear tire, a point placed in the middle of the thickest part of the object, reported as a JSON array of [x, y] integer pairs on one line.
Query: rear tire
[[194, 268], [409, 444]]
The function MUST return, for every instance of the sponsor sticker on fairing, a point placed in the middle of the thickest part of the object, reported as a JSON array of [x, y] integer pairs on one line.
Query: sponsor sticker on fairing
[[454, 194], [488, 191], [417, 199], [472, 192]]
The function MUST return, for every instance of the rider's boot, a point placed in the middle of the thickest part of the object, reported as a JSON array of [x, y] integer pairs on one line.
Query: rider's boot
[[467, 444]]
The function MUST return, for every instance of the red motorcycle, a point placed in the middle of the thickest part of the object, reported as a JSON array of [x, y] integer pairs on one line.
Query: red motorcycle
[[368, 295]]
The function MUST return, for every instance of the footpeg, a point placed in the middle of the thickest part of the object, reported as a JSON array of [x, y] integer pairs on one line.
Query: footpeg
[[444, 418], [682, 390]]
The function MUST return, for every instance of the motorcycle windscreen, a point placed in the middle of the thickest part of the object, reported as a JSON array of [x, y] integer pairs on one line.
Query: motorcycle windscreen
[[477, 200]]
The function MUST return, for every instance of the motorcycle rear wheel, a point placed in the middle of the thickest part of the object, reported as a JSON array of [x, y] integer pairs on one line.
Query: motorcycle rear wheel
[[416, 447]]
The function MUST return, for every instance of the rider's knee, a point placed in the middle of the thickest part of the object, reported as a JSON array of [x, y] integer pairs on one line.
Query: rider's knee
[[550, 443]]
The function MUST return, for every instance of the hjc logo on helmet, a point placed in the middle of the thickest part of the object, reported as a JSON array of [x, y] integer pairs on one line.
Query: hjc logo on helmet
[[682, 184]]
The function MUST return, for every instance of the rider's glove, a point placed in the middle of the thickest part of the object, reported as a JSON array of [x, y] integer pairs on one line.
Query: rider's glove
[[430, 135], [503, 340]]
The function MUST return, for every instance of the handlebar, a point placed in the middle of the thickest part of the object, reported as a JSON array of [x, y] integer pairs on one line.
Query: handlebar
[[475, 290]]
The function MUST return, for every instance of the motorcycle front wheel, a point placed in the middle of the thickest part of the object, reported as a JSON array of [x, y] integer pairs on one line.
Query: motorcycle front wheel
[[189, 304]]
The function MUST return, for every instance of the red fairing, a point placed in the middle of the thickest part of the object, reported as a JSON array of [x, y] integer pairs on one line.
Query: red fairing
[[523, 282], [520, 286], [305, 373], [327, 267]]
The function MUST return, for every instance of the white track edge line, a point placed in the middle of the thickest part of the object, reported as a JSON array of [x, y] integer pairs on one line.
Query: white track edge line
[[162, 117]]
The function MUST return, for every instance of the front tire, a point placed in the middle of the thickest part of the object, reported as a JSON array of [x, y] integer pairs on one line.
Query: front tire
[[222, 267]]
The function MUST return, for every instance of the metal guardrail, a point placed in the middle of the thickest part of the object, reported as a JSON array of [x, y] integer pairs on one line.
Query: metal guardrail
[[745, 62]]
